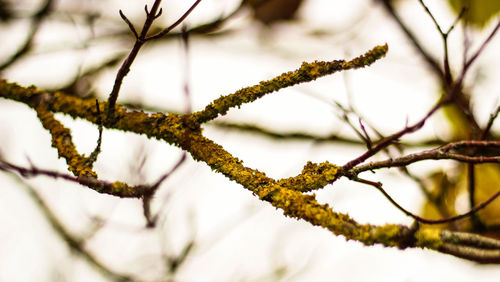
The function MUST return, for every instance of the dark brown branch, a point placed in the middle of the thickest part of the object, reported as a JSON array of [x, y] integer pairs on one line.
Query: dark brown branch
[[125, 67]]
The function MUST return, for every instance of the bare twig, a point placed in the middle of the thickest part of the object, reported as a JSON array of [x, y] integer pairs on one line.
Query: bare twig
[[367, 136], [433, 64], [113, 188], [445, 152], [444, 35], [174, 262], [382, 144], [187, 90], [471, 187], [255, 129], [130, 25], [474, 57], [93, 156], [420, 219], [363, 136], [491, 120], [151, 190], [176, 23], [125, 67], [142, 38]]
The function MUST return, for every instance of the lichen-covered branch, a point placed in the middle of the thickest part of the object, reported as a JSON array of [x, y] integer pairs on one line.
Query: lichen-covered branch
[[185, 132], [306, 73], [61, 140]]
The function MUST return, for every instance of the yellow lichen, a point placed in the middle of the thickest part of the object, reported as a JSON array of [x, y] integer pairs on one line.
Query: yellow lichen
[[429, 238], [307, 72], [184, 131], [313, 176], [61, 140]]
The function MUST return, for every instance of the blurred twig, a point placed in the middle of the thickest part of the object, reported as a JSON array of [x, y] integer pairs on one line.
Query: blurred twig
[[75, 244], [36, 22]]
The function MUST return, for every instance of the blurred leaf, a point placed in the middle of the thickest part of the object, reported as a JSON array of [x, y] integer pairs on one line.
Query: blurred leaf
[[487, 179], [479, 12], [271, 11], [5, 11], [457, 122], [444, 193]]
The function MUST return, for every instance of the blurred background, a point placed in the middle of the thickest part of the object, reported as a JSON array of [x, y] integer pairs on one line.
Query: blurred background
[[209, 228]]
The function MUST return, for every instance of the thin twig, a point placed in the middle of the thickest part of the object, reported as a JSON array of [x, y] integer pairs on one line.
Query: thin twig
[[365, 133], [151, 190], [93, 156], [388, 5], [113, 188], [474, 57], [130, 25], [491, 120], [255, 129], [444, 36], [472, 211], [445, 152], [142, 38], [176, 23], [471, 188], [125, 67], [346, 119], [187, 89], [382, 144], [172, 170], [431, 15]]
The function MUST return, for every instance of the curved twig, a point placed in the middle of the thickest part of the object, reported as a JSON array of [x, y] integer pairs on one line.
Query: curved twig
[[420, 219]]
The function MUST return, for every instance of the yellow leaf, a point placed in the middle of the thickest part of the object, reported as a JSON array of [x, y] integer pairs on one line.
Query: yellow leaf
[[479, 12], [487, 183]]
